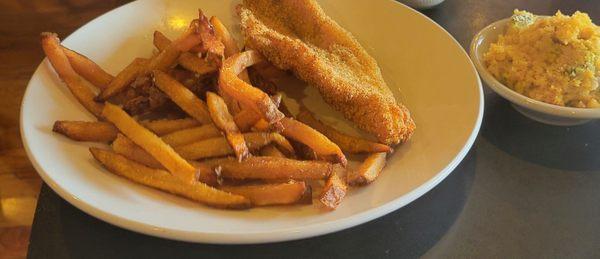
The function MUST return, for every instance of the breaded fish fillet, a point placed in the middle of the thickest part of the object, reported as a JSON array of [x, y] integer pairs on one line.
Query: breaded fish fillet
[[297, 35]]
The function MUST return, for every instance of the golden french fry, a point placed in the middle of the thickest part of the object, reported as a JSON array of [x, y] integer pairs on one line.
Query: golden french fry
[[123, 79], [94, 131], [125, 147], [169, 55], [283, 144], [187, 60], [183, 97], [162, 180], [88, 69], [334, 192], [166, 126], [270, 168], [261, 124], [60, 62], [150, 142], [223, 34], [270, 194], [271, 150], [247, 95], [346, 142], [300, 132], [245, 119], [215, 147], [187, 136], [368, 170], [215, 50], [224, 121]]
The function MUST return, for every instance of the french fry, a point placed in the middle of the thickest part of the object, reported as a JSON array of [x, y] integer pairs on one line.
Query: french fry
[[60, 62], [230, 48], [150, 142], [186, 136], [187, 60], [215, 147], [245, 119], [223, 34], [270, 194], [334, 192], [368, 170], [271, 150], [123, 79], [300, 132], [95, 131], [88, 69], [246, 94], [166, 126], [169, 55], [224, 121], [283, 144], [346, 142], [125, 147], [183, 97], [215, 50], [162, 180], [260, 124], [273, 168]]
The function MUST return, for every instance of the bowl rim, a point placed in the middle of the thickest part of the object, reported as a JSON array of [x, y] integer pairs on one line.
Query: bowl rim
[[511, 95]]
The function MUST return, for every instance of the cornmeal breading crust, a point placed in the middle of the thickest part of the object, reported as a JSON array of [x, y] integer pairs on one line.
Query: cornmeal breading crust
[[297, 35]]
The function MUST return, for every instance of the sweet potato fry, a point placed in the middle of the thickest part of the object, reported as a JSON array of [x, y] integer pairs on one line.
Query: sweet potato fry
[[150, 142], [247, 95], [60, 62], [224, 121], [93, 131], [187, 136], [334, 192], [368, 170], [270, 194], [88, 69], [215, 147], [125, 147], [162, 180], [271, 150], [346, 142], [187, 60], [123, 79], [271, 168], [300, 132], [166, 126], [183, 97]]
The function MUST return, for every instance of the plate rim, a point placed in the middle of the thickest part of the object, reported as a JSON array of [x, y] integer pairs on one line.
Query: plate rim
[[312, 230]]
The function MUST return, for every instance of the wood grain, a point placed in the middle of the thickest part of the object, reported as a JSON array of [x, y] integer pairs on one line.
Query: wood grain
[[20, 25]]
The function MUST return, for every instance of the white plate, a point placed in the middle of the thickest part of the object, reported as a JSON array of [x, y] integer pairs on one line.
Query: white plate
[[438, 82]]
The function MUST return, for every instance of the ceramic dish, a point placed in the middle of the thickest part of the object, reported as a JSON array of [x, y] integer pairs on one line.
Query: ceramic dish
[[534, 109], [425, 67]]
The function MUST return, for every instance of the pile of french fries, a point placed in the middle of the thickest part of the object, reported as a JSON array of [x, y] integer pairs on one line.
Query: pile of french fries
[[234, 145]]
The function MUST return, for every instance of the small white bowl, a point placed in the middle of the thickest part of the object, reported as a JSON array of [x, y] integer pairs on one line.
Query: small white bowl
[[533, 109], [422, 4]]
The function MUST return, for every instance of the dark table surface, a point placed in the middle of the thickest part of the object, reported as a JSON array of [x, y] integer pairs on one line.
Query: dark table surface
[[525, 190]]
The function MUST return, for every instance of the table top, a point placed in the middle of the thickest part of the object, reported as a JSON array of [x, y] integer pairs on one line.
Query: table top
[[525, 189]]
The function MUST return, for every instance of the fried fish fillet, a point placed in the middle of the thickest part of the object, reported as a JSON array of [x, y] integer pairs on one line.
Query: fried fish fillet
[[297, 35]]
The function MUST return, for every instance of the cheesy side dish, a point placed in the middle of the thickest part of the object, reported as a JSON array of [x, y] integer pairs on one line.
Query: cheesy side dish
[[552, 59]]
